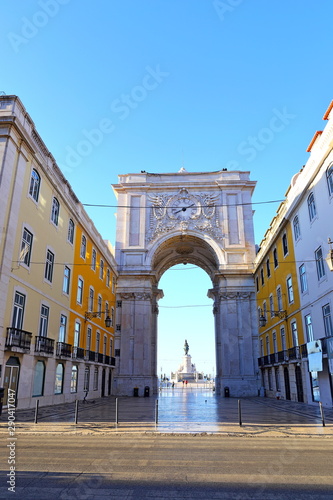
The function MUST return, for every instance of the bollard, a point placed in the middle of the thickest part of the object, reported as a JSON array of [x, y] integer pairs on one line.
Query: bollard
[[76, 410], [322, 413], [239, 412], [156, 412], [117, 419], [36, 411]]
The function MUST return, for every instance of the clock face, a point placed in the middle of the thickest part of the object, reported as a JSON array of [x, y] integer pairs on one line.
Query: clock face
[[184, 208]]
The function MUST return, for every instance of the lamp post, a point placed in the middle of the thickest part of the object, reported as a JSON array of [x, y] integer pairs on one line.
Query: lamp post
[[96, 314], [263, 320]]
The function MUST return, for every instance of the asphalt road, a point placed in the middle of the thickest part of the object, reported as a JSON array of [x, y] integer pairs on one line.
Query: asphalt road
[[159, 467]]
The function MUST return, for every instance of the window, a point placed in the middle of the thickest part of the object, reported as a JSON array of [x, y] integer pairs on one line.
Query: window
[[112, 316], [93, 260], [270, 381], [257, 284], [271, 306], [104, 344], [275, 257], [99, 306], [91, 299], [264, 308], [262, 347], [49, 266], [290, 290], [77, 331], [97, 341], [34, 185], [297, 228], [74, 378], [101, 269], [79, 294], [308, 328], [285, 245], [315, 386], [83, 249], [283, 339], [279, 298], [59, 379], [294, 334], [67, 276], [70, 234], [26, 246], [275, 347], [312, 206], [329, 175], [320, 263], [268, 268], [268, 347], [111, 347], [38, 387], [96, 378], [108, 277], [303, 279], [62, 328], [262, 277], [55, 211], [88, 338], [43, 322], [327, 320], [86, 379], [18, 311], [113, 284]]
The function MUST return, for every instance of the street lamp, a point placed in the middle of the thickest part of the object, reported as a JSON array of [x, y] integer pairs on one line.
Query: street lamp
[[96, 314], [263, 320]]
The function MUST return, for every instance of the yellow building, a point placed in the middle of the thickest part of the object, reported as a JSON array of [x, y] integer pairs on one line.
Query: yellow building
[[279, 318], [43, 223], [92, 316]]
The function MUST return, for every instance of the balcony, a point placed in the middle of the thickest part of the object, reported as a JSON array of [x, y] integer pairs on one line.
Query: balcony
[[44, 345], [77, 352], [112, 361], [282, 356], [294, 353], [89, 355], [18, 338], [99, 357], [63, 350]]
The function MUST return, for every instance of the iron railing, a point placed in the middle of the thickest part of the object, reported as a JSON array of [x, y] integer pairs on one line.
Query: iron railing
[[18, 338], [44, 344], [64, 349]]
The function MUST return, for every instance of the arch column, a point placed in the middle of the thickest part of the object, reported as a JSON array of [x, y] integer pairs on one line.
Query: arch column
[[236, 338], [136, 338]]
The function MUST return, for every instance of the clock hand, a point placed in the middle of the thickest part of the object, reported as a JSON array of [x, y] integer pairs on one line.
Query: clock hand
[[184, 209]]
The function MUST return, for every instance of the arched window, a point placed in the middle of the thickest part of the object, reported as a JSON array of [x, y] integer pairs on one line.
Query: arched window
[[83, 247], [55, 211], [38, 387], [34, 185], [297, 229], [59, 379], [70, 236], [329, 175], [74, 378], [312, 206]]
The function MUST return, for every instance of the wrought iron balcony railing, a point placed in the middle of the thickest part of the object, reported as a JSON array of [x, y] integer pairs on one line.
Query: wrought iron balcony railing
[[64, 349], [44, 344], [18, 338]]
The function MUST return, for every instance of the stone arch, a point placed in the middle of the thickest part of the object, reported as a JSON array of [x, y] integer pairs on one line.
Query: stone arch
[[199, 218]]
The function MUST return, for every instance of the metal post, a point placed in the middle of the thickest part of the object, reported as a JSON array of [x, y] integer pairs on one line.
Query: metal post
[[76, 410], [117, 410], [156, 412], [239, 412], [36, 411], [322, 413]]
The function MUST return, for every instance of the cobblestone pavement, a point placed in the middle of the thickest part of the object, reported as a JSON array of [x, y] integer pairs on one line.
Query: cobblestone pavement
[[185, 410]]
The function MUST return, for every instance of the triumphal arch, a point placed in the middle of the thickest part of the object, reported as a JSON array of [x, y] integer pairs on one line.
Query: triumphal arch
[[205, 219]]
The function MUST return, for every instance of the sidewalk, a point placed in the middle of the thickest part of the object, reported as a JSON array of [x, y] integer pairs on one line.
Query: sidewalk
[[179, 411]]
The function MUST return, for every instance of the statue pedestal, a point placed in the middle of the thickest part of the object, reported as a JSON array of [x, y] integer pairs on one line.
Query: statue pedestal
[[187, 371]]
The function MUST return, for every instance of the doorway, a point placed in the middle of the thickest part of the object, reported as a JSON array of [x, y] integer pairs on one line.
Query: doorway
[[11, 379]]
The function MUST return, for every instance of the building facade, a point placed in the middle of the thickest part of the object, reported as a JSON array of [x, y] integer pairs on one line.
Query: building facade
[[306, 214], [42, 223]]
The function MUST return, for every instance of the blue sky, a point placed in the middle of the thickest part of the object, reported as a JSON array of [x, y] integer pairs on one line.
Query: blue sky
[[120, 86]]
